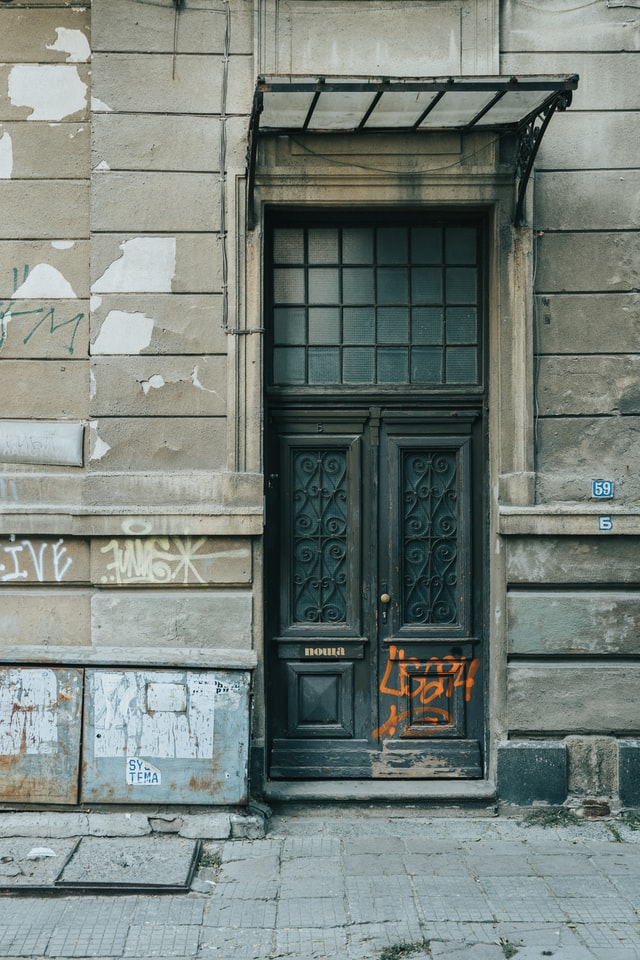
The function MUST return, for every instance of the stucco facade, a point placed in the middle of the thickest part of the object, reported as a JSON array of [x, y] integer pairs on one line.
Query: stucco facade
[[136, 331]]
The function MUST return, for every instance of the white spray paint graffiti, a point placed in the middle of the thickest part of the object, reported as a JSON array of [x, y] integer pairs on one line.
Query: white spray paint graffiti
[[23, 560], [28, 701], [162, 560]]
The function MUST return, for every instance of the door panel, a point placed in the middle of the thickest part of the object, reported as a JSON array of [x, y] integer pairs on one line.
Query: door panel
[[374, 639]]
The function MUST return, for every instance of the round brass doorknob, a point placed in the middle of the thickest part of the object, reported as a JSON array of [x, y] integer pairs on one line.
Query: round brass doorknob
[[384, 598]]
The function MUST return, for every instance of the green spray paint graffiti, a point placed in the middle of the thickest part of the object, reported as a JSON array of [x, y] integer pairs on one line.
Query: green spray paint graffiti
[[47, 320]]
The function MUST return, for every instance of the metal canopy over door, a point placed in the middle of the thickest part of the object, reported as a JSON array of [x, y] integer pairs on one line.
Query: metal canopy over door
[[375, 466]]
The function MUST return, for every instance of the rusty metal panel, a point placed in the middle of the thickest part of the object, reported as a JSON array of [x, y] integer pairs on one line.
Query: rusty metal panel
[[166, 736], [39, 734]]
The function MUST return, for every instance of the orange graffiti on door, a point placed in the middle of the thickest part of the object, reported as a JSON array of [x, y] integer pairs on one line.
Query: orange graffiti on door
[[423, 682]]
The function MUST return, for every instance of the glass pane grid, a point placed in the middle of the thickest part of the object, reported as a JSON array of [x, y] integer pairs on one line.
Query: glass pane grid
[[376, 305]]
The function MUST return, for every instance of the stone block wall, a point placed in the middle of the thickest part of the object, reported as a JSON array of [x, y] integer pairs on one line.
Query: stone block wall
[[573, 598]]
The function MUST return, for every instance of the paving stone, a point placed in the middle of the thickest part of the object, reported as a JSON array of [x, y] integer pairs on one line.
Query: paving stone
[[161, 940], [248, 914], [255, 868], [468, 951], [305, 943], [319, 912]]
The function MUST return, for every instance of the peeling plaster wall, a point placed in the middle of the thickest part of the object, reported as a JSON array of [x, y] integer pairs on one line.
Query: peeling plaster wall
[[115, 470]]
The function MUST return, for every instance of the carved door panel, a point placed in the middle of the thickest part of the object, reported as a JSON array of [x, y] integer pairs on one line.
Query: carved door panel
[[374, 595]]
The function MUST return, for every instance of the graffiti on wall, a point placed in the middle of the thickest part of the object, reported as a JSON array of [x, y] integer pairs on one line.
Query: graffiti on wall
[[44, 318], [421, 691], [42, 561], [163, 560]]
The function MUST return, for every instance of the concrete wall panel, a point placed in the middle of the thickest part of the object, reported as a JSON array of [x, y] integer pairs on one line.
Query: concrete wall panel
[[607, 80], [574, 451], [601, 262], [39, 150], [562, 624], [44, 208], [170, 561], [589, 385], [591, 141], [160, 444], [117, 26], [588, 200], [158, 202], [174, 619], [588, 697], [188, 263], [154, 142], [565, 25], [596, 559], [139, 83], [45, 35], [45, 390], [35, 617], [157, 324], [159, 386], [574, 323], [61, 266]]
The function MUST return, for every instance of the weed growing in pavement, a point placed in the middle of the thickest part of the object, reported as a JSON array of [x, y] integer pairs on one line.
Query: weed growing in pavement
[[400, 950], [210, 858], [509, 949], [631, 819], [552, 817]]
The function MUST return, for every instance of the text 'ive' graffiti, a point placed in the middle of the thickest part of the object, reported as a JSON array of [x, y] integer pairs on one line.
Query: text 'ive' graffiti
[[422, 695], [44, 318], [43, 561]]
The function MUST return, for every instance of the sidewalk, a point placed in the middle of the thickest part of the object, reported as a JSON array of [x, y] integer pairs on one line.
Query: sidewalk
[[366, 886]]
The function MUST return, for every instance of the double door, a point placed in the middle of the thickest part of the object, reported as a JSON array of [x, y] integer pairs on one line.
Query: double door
[[374, 593]]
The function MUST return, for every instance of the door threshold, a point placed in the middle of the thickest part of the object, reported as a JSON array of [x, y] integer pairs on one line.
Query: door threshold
[[423, 792]]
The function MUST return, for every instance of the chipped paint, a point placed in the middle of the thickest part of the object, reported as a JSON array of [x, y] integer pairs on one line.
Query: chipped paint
[[155, 382], [98, 447], [28, 721], [103, 165], [95, 302], [63, 244], [6, 157], [195, 380], [123, 333], [52, 91], [147, 265], [72, 42], [125, 725], [45, 282], [97, 106]]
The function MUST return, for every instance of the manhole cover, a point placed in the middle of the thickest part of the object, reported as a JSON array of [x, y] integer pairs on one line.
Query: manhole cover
[[131, 863]]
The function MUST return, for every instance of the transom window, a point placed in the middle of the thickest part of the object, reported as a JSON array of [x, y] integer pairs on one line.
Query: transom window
[[376, 303]]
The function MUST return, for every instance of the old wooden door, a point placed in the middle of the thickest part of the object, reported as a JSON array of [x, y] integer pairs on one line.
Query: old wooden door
[[375, 506]]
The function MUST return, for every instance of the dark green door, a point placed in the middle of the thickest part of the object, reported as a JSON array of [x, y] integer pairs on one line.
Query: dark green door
[[376, 655], [375, 465]]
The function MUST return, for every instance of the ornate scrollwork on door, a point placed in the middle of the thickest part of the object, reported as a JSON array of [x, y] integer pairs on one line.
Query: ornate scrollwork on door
[[430, 548], [319, 530]]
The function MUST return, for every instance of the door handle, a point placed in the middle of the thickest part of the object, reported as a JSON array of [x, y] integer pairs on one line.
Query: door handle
[[385, 599]]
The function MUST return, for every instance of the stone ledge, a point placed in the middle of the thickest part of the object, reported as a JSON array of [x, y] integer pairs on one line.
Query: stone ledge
[[208, 825]]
